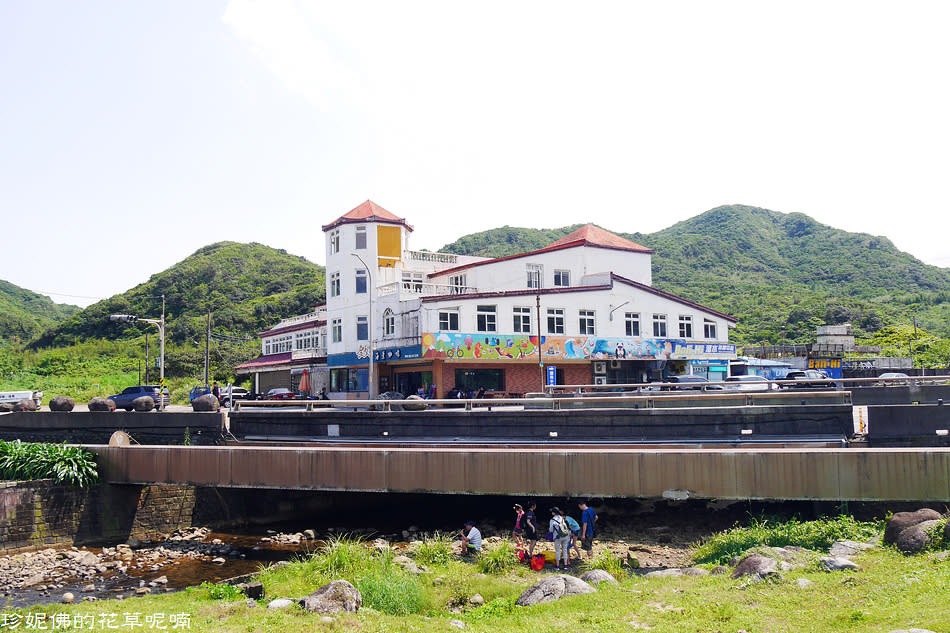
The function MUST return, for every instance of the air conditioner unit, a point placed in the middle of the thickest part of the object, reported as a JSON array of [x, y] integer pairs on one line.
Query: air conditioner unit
[[600, 367], [615, 364], [600, 380]]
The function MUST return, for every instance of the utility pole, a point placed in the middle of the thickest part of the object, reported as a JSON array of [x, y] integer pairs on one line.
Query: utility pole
[[147, 361], [540, 352], [207, 347]]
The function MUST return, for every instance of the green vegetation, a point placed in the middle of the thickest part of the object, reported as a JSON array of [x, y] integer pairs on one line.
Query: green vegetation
[[69, 465], [497, 559], [780, 275], [889, 591], [222, 591], [813, 535], [25, 314], [435, 549], [606, 561]]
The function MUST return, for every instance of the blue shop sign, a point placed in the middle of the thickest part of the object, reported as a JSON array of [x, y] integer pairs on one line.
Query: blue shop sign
[[361, 356]]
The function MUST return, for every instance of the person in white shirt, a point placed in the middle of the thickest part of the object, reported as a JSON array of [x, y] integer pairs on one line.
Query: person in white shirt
[[471, 539]]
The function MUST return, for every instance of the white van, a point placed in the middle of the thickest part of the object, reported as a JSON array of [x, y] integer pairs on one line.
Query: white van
[[16, 396]]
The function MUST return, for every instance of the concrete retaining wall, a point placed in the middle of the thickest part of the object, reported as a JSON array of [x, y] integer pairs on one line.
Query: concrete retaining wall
[[81, 427]]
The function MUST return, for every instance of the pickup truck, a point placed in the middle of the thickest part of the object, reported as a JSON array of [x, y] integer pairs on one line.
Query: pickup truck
[[15, 396]]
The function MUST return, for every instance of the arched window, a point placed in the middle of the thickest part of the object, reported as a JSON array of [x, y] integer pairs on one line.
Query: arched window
[[389, 323]]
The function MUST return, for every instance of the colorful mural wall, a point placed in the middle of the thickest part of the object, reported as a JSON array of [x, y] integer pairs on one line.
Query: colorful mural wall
[[483, 346]]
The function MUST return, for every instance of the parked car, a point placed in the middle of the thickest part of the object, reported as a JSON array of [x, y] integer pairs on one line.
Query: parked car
[[281, 393], [15, 396], [893, 379], [197, 392], [750, 383], [690, 383], [124, 400], [236, 393], [804, 377]]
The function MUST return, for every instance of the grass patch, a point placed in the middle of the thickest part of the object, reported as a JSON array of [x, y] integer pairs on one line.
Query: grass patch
[[497, 559], [814, 535], [435, 549], [342, 557], [392, 591], [222, 591], [606, 561]]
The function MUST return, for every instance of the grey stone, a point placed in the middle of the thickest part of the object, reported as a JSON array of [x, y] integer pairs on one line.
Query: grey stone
[[414, 403], [553, 588], [205, 403], [281, 603], [915, 538], [900, 521], [67, 598], [6, 407], [61, 403], [253, 590], [720, 569], [837, 564], [457, 624], [325, 619], [25, 404], [847, 548], [694, 571], [334, 597], [143, 404], [33, 580], [756, 565], [597, 576], [407, 564], [664, 573], [89, 588], [309, 534], [101, 405], [804, 583], [476, 600]]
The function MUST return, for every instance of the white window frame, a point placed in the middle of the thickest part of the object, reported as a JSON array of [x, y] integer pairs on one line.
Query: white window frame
[[412, 281], [521, 320], [686, 326], [360, 237], [586, 322], [632, 323], [361, 276], [362, 321], [446, 320], [334, 241], [709, 329], [534, 276], [659, 326], [457, 284], [555, 319], [486, 318], [336, 330], [335, 284], [389, 322], [562, 278]]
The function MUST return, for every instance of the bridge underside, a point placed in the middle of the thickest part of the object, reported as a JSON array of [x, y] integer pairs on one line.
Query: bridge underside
[[837, 474]]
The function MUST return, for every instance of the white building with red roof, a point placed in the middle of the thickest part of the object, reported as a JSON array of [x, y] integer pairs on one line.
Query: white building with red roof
[[582, 310]]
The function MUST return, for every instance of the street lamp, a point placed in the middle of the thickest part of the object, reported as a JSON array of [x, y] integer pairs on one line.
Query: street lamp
[[160, 323], [369, 325]]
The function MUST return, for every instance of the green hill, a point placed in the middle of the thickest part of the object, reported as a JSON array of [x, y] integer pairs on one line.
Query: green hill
[[248, 287], [24, 314], [780, 274]]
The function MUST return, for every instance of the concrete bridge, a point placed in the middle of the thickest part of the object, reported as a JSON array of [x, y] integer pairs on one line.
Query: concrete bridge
[[603, 470]]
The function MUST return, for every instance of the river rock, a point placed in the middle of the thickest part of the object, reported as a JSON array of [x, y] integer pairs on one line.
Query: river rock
[[280, 603], [89, 588], [900, 521], [67, 598], [206, 402], [414, 403], [143, 404], [309, 534], [915, 538], [804, 583], [101, 405], [333, 597], [6, 407], [476, 600], [837, 564], [759, 566], [61, 403], [553, 588], [25, 404], [664, 573], [407, 564], [596, 576], [253, 590], [847, 548]]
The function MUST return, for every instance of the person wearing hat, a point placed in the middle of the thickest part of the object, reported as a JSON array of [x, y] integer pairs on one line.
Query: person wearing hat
[[471, 539]]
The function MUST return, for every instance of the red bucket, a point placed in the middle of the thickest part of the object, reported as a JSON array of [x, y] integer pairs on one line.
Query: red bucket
[[537, 562]]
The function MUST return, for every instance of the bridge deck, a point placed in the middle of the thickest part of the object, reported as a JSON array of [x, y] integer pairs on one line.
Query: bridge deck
[[905, 474]]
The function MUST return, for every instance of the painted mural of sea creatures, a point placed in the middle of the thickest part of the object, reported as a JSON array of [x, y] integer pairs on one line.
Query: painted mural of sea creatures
[[503, 353]]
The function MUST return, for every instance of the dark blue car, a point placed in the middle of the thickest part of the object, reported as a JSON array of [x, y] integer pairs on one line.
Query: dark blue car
[[124, 400]]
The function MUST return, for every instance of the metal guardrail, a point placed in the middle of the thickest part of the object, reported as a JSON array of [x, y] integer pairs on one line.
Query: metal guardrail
[[773, 385], [646, 401]]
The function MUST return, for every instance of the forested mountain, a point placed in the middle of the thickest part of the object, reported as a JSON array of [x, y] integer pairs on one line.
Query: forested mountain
[[248, 287], [780, 274], [24, 314]]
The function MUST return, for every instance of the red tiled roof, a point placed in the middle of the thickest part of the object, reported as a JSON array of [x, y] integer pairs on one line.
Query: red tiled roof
[[595, 236], [369, 211], [306, 325], [264, 361]]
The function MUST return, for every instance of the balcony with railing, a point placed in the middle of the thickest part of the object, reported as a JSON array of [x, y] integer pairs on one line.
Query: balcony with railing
[[422, 289], [427, 256], [311, 353], [319, 315]]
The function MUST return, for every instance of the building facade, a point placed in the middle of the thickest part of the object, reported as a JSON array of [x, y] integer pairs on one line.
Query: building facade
[[293, 349], [579, 311]]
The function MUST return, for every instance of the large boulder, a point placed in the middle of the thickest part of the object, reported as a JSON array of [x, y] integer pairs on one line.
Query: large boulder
[[61, 403], [414, 403], [206, 402], [837, 563], [553, 588], [900, 521], [143, 404], [102, 405], [25, 404], [253, 590], [391, 395], [596, 576], [333, 597], [758, 566], [915, 538], [6, 407]]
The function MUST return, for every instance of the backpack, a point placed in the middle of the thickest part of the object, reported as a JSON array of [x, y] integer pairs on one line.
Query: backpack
[[561, 529]]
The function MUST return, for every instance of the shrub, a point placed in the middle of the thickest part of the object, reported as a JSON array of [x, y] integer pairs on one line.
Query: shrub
[[341, 556], [606, 561], [497, 608], [500, 558], [391, 591], [222, 591], [435, 549], [63, 464], [814, 535]]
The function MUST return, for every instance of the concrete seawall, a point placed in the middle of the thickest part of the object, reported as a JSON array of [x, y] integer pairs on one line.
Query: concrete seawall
[[82, 427]]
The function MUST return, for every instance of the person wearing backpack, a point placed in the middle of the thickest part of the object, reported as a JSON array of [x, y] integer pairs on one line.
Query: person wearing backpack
[[562, 538], [575, 532]]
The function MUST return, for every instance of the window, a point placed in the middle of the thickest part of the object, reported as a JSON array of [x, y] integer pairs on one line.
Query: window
[[471, 380], [585, 321], [412, 282], [555, 321], [360, 237], [334, 241], [457, 284], [335, 284], [562, 278], [686, 326], [389, 323], [336, 330], [534, 275], [361, 281], [362, 328], [279, 344], [449, 321], [522, 320], [485, 319], [709, 328], [633, 323], [349, 379], [659, 325]]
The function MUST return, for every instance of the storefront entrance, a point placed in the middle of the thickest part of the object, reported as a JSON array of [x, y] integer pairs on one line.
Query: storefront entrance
[[418, 383]]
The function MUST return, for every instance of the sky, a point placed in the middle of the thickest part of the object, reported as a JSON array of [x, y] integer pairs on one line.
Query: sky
[[134, 133]]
